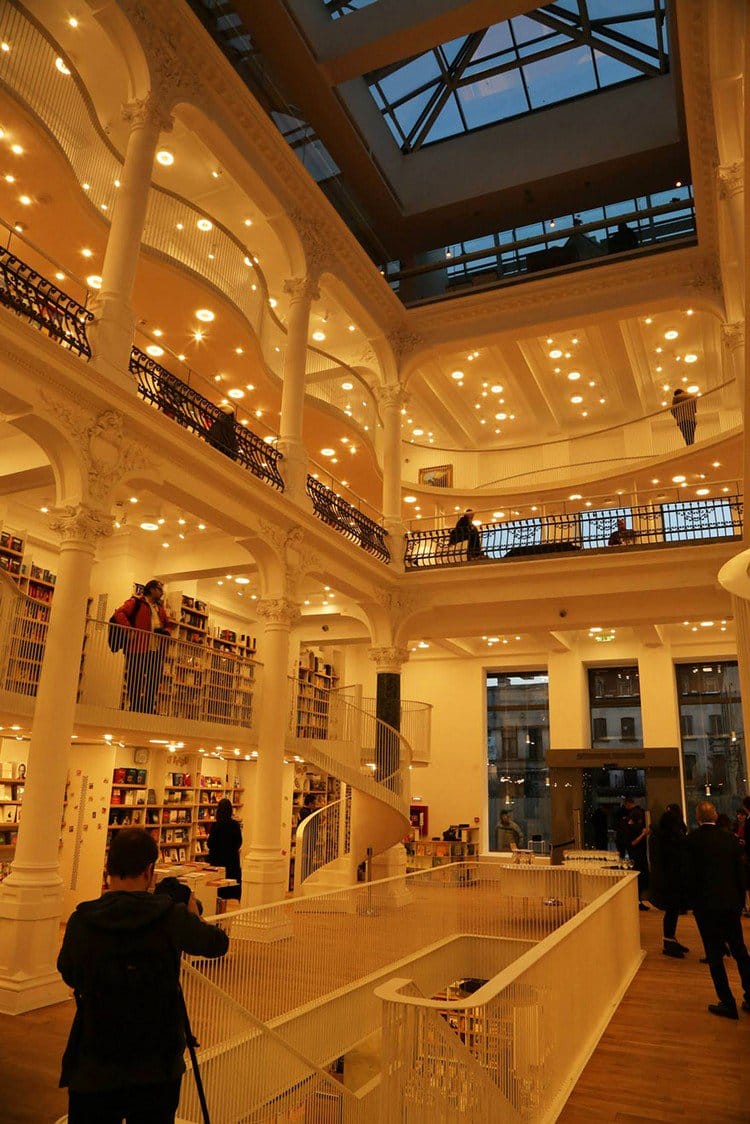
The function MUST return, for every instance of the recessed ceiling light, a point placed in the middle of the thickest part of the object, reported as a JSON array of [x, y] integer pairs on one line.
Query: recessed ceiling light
[[457, 375], [10, 179], [576, 496], [149, 526], [25, 199], [60, 276], [198, 335], [94, 281], [418, 432], [671, 334], [73, 21], [319, 336], [273, 302], [206, 315], [500, 417], [691, 357], [693, 389], [496, 389], [87, 253], [165, 157], [235, 392], [204, 224], [556, 353], [60, 65], [328, 452], [574, 375], [351, 328], [410, 499], [702, 491], [154, 350], [575, 399], [498, 514], [678, 479], [242, 581], [347, 386], [16, 149]]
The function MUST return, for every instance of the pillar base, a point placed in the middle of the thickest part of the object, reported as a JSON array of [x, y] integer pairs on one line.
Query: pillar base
[[111, 338], [264, 878], [30, 917], [392, 864], [293, 469]]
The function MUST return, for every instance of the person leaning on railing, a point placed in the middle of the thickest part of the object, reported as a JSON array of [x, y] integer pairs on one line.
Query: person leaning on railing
[[465, 531], [222, 433], [622, 536], [146, 619], [684, 409]]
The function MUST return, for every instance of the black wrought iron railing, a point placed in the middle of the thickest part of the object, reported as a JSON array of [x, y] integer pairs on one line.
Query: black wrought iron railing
[[36, 299], [645, 525], [352, 523], [180, 402]]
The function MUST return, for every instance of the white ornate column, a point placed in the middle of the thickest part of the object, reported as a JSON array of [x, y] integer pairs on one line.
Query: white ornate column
[[31, 895], [302, 292], [391, 398], [731, 184], [733, 338], [266, 868], [389, 661], [113, 328]]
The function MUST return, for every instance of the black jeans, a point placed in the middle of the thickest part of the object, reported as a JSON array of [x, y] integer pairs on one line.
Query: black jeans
[[669, 923], [720, 927], [136, 1104]]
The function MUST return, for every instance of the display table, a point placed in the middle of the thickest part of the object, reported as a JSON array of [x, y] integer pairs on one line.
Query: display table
[[203, 880]]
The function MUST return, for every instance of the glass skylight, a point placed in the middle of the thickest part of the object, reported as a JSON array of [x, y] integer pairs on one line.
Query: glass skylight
[[550, 55], [339, 8]]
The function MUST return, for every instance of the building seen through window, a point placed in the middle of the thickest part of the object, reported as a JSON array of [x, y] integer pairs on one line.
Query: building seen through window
[[615, 706], [517, 747], [713, 742]]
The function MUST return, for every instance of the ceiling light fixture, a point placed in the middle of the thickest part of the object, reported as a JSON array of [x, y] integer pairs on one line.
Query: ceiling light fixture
[[206, 315], [457, 375], [410, 499], [671, 334], [235, 392], [60, 66], [94, 281], [165, 157], [319, 336], [691, 357], [154, 350], [204, 224]]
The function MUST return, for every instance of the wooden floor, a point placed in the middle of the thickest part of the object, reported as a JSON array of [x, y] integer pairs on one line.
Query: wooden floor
[[662, 1058]]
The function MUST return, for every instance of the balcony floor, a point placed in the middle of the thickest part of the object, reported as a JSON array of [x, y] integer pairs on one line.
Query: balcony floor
[[662, 1058]]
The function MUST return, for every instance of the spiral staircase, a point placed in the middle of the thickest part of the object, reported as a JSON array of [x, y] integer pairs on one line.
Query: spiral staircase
[[372, 761]]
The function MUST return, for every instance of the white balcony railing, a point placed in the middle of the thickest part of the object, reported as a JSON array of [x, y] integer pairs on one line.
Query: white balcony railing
[[416, 726], [316, 987], [322, 838], [128, 670], [514, 1048]]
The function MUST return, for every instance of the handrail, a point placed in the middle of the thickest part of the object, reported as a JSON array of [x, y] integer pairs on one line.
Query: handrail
[[322, 837], [183, 404], [352, 523], [392, 990], [666, 524], [28, 294]]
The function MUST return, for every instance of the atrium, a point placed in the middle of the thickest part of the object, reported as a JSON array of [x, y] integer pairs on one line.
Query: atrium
[[404, 345]]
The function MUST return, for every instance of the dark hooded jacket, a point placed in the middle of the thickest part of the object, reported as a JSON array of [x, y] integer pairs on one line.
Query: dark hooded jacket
[[121, 956]]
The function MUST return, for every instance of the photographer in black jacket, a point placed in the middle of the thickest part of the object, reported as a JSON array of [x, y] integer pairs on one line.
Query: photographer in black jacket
[[121, 955]]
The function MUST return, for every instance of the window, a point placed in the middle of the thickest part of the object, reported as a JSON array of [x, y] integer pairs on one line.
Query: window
[[713, 744], [517, 745], [528, 63], [615, 706]]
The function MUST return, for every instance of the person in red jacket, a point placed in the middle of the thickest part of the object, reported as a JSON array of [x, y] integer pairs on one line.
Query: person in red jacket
[[147, 620]]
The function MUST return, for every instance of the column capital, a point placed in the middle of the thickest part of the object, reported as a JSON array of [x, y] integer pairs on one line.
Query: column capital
[[317, 253], [149, 110], [733, 334], [403, 341], [302, 289], [81, 524], [389, 659], [279, 612], [390, 395], [731, 180]]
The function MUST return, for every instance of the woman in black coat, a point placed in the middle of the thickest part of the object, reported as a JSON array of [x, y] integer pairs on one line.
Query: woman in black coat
[[224, 842], [669, 880]]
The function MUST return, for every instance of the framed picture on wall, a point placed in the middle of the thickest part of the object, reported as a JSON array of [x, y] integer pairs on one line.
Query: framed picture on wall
[[441, 476]]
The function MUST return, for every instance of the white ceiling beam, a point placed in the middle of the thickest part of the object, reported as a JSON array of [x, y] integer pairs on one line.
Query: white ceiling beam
[[651, 635]]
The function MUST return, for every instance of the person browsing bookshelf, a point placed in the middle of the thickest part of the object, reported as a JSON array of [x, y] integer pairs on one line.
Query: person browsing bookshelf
[[224, 843], [145, 616]]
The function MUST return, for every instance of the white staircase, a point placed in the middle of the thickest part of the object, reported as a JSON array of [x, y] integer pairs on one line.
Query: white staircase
[[372, 761]]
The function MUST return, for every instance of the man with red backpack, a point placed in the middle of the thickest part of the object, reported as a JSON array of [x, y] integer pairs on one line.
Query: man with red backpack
[[146, 619]]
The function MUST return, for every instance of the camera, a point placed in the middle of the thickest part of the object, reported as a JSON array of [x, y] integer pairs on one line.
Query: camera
[[177, 891]]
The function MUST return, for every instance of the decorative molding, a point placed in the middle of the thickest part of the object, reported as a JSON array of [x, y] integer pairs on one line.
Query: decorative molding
[[399, 604], [278, 612], [317, 252], [149, 110], [80, 523], [733, 335], [173, 77], [390, 395], [303, 290], [389, 659], [403, 341], [731, 180], [107, 456]]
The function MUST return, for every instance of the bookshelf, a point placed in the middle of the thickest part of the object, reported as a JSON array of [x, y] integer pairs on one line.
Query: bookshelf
[[127, 801], [423, 854], [309, 781], [316, 680], [30, 632], [212, 790]]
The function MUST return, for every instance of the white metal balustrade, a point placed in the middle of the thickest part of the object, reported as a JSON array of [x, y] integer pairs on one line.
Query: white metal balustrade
[[272, 1013], [130, 670]]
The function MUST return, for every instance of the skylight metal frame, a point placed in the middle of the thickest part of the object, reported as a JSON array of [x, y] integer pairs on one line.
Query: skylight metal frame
[[602, 36]]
